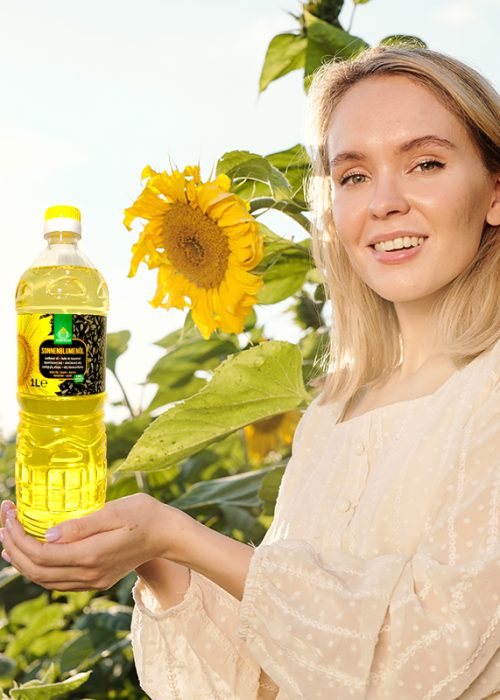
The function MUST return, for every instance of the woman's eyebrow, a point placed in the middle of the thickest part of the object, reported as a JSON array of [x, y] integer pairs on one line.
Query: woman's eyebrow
[[344, 156], [427, 140]]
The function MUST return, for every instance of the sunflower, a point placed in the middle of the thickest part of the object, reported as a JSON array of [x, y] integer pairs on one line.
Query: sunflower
[[32, 330], [270, 434], [203, 242]]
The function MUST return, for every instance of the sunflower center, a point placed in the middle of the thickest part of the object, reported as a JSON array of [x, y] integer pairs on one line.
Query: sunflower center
[[195, 245]]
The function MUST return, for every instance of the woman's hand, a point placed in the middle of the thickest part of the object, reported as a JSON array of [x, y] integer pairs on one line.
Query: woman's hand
[[96, 551]]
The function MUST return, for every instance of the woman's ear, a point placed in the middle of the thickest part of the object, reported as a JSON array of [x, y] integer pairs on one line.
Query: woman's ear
[[493, 215]]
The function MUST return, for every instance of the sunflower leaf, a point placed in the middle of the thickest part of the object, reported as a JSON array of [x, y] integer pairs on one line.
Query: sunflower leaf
[[403, 40], [269, 488], [116, 345], [238, 490], [285, 53], [324, 41], [44, 691], [253, 175], [251, 385], [174, 373]]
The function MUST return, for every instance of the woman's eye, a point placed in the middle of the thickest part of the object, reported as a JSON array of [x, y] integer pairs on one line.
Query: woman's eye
[[352, 179], [427, 165]]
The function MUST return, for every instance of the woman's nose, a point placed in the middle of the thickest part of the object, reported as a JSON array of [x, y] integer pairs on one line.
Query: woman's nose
[[387, 198]]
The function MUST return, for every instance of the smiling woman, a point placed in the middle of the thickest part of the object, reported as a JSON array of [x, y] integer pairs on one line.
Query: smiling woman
[[406, 198]]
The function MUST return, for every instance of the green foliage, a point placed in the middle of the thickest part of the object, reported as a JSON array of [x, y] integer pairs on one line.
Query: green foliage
[[285, 53], [319, 38]]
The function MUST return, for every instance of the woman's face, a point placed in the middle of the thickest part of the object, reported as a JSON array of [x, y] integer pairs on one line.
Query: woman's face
[[410, 192]]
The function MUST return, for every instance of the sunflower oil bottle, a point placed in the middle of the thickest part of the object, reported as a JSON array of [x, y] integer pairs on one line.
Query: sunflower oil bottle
[[61, 302]]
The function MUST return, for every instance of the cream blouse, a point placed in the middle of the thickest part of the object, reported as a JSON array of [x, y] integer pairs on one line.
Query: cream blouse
[[379, 577]]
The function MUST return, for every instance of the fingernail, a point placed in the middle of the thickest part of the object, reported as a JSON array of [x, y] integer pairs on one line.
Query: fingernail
[[11, 513], [9, 523], [1, 536], [52, 534], [5, 556]]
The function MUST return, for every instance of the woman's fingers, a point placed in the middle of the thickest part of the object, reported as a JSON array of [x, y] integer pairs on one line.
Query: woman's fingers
[[4, 509], [77, 529], [43, 563], [43, 553]]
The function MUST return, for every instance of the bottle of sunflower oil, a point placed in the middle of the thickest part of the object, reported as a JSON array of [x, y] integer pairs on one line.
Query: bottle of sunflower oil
[[61, 302]]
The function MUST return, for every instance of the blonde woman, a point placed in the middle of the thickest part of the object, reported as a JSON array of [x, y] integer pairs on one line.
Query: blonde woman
[[379, 577]]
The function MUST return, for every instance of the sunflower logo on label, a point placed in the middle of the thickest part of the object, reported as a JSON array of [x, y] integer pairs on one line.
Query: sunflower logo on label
[[32, 330], [204, 243]]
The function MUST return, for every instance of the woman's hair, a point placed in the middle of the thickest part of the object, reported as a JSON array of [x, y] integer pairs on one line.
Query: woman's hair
[[365, 339]]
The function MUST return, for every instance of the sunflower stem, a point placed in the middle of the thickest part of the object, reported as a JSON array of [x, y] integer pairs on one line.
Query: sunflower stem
[[245, 449], [142, 482], [354, 8], [129, 406]]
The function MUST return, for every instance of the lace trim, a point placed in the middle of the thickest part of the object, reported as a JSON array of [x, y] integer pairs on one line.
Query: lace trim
[[317, 579], [455, 674], [315, 624]]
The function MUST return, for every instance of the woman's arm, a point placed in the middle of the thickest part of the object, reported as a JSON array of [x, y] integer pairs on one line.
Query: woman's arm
[[96, 551]]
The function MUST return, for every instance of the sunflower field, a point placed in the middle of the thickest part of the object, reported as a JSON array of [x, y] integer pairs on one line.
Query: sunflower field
[[232, 396]]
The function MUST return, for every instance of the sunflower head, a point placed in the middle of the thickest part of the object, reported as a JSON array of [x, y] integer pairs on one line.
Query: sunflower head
[[270, 435], [204, 243]]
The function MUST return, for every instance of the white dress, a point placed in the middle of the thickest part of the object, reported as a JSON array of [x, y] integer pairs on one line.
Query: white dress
[[379, 577]]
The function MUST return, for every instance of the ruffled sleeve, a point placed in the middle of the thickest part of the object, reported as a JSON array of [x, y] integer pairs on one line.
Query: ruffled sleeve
[[191, 650], [334, 625]]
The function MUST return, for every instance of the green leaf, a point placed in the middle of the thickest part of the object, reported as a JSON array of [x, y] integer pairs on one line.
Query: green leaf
[[88, 649], [49, 644], [8, 574], [116, 345], [360, 2], [43, 621], [22, 613], [295, 164], [116, 618], [247, 170], [324, 42], [121, 437], [7, 666], [49, 690], [284, 277], [175, 372], [285, 265], [251, 385], [239, 490], [285, 53], [269, 489], [412, 42]]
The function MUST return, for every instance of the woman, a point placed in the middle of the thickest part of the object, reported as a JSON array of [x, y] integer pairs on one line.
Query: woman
[[379, 575]]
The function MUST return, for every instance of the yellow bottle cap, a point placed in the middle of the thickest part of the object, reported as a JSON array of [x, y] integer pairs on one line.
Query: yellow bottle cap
[[62, 218], [61, 211]]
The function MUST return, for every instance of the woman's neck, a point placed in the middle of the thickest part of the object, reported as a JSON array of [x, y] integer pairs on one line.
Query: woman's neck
[[417, 322]]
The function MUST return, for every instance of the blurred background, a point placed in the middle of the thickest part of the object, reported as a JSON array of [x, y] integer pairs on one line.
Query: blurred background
[[93, 91]]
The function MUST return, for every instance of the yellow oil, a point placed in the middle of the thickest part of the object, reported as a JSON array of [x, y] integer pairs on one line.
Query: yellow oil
[[61, 440]]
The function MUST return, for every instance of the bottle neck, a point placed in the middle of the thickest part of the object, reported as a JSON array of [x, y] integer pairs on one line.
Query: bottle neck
[[62, 238]]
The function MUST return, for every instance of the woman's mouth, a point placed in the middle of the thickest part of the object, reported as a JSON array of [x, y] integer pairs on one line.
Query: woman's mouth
[[397, 250], [399, 243]]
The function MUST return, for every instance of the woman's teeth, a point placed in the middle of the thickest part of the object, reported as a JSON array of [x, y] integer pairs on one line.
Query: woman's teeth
[[399, 243]]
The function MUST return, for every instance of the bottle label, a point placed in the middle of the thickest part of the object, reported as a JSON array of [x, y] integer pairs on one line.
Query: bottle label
[[61, 354]]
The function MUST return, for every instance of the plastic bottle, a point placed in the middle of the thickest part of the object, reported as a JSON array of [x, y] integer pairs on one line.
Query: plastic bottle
[[62, 302]]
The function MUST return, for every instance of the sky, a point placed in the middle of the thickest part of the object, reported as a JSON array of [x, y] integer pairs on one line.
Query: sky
[[93, 91]]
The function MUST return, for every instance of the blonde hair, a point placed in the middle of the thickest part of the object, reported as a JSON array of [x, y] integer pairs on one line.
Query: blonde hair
[[365, 338]]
